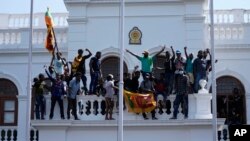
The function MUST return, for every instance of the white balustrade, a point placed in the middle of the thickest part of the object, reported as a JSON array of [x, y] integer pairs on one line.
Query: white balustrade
[[235, 16], [92, 107]]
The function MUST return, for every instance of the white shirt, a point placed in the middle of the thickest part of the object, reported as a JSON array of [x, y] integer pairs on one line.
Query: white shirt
[[109, 89], [58, 66]]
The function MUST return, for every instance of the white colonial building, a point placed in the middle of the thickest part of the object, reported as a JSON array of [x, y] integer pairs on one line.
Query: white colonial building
[[94, 24]]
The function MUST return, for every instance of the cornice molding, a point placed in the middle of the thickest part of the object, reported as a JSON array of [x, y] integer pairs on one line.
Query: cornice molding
[[77, 20]]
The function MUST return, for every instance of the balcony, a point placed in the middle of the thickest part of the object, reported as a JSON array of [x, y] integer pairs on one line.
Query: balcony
[[92, 121]]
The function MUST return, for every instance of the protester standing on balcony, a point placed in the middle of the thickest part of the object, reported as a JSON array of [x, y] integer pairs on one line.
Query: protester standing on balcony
[[39, 86], [146, 87], [109, 97], [181, 88], [82, 69], [189, 69], [76, 62], [57, 94], [135, 80], [58, 63], [74, 90], [199, 70], [95, 72], [146, 61], [169, 67]]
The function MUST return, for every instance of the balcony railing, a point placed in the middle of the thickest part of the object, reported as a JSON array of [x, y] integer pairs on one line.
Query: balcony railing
[[10, 133], [15, 21], [235, 16], [92, 107], [15, 38]]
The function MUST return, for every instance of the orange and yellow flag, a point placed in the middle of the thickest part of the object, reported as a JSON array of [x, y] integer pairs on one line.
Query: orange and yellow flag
[[49, 42], [139, 103]]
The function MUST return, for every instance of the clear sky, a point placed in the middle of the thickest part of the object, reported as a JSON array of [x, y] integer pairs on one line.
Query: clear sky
[[23, 6]]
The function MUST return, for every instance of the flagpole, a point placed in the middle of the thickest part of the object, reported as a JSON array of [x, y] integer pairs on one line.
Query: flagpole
[[29, 74], [214, 96], [55, 39], [121, 83]]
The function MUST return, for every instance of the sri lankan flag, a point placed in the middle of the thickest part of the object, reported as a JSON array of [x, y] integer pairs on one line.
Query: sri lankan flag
[[139, 103], [49, 42]]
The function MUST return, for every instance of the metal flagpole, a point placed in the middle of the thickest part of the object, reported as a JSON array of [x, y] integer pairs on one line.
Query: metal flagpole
[[214, 96], [29, 73], [121, 42]]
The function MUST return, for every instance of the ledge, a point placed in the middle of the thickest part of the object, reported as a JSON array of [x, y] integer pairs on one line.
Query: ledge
[[127, 123]]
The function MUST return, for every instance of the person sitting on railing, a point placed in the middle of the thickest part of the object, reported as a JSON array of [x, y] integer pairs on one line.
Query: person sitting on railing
[[181, 88], [57, 94], [146, 86], [74, 90], [109, 97]]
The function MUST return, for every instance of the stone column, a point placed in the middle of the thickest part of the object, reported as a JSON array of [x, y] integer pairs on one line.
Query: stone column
[[203, 102], [21, 126]]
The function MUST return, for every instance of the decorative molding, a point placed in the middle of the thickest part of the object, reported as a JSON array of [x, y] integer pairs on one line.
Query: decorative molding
[[25, 50], [191, 19], [78, 20]]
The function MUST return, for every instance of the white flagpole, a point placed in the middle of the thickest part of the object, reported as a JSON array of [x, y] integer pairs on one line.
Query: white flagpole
[[214, 96], [29, 74], [121, 42]]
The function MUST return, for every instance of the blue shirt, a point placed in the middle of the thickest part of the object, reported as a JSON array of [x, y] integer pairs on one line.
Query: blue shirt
[[74, 87]]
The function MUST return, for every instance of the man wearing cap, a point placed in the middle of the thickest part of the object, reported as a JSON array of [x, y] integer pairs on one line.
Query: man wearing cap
[[146, 61]]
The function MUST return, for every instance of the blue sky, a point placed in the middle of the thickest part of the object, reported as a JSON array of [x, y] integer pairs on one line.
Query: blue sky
[[23, 6]]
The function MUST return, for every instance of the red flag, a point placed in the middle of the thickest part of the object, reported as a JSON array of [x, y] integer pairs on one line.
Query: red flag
[[49, 42]]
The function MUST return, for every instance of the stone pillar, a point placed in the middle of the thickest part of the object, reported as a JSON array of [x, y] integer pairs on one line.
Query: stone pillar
[[21, 127], [203, 102]]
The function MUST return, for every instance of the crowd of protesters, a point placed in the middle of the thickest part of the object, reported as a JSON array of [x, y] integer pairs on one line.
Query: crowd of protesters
[[181, 77]]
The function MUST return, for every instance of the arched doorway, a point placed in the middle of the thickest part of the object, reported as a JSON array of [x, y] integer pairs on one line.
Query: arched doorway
[[231, 104], [110, 65], [8, 103]]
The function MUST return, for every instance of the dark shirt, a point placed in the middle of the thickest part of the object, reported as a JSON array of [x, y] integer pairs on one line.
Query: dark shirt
[[57, 88], [182, 84], [199, 66], [95, 64], [134, 84], [169, 66], [127, 84]]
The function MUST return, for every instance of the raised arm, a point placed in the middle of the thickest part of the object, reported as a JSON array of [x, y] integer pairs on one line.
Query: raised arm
[[185, 50], [138, 57], [173, 57], [87, 56], [163, 48]]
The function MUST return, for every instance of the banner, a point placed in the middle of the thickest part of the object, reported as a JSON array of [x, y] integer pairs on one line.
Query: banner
[[139, 103]]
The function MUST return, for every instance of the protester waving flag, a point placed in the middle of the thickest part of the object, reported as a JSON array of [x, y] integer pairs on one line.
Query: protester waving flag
[[139, 103], [50, 40]]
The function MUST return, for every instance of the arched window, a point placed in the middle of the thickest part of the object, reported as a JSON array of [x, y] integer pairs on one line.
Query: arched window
[[226, 106], [8, 102], [111, 65]]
